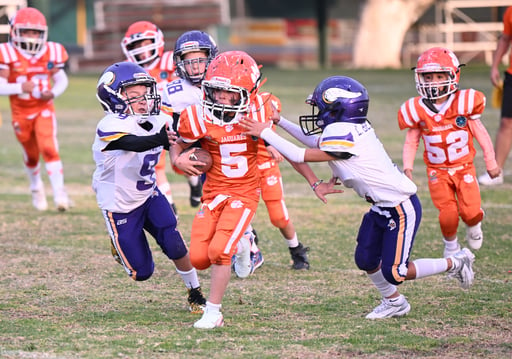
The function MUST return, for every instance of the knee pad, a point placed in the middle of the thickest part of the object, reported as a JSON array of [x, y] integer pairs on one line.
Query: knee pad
[[364, 261], [387, 272], [143, 273]]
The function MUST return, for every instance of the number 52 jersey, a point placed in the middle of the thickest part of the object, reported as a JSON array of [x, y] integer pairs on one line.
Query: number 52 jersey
[[446, 134]]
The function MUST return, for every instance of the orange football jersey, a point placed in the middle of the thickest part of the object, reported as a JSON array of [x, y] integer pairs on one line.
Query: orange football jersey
[[234, 171], [446, 135], [37, 69]]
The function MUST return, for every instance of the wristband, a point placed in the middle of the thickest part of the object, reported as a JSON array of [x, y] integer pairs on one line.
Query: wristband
[[315, 185]]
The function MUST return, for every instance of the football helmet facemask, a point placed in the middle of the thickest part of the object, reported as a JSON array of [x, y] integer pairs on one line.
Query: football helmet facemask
[[232, 71], [436, 60], [192, 41], [144, 55], [28, 19], [338, 99], [111, 89]]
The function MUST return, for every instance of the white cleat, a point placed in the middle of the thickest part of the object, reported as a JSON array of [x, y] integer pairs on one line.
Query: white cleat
[[486, 180], [462, 268], [61, 200], [475, 236], [243, 264], [39, 199], [210, 320], [389, 308]]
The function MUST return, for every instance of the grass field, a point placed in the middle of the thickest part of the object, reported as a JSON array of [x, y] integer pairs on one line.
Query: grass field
[[63, 296]]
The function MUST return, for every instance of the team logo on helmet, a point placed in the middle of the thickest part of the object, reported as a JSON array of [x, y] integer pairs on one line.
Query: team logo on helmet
[[332, 94]]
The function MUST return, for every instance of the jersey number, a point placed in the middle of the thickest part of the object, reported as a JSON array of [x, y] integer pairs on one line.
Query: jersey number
[[456, 147], [41, 84], [233, 166], [148, 170]]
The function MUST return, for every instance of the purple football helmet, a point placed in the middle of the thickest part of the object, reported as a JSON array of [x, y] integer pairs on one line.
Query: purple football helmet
[[116, 78], [193, 41], [339, 99]]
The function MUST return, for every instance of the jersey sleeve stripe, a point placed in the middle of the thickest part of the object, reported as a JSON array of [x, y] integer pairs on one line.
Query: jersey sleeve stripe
[[110, 136], [8, 53], [167, 62]]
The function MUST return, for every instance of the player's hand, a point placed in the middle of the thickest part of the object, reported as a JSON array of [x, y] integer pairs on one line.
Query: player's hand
[[185, 164], [495, 172], [47, 95], [275, 154], [253, 127], [28, 86], [171, 135], [495, 77], [326, 188], [408, 173]]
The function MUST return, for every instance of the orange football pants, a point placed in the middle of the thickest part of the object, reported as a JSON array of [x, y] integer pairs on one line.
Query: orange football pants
[[37, 136], [271, 183], [455, 192], [216, 229]]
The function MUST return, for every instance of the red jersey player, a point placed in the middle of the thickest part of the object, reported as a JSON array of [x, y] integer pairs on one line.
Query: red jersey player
[[32, 75], [447, 119]]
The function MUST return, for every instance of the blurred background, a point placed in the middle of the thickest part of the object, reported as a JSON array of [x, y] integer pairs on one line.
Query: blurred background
[[285, 33]]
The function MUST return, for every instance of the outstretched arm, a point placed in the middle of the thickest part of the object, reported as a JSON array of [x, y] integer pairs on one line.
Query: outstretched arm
[[318, 186]]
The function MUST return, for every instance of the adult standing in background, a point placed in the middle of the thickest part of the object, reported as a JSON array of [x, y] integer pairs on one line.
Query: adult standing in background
[[503, 141]]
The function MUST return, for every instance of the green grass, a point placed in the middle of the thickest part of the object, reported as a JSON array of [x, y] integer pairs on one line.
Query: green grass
[[63, 296]]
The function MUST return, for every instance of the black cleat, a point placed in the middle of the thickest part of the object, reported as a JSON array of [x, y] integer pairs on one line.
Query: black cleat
[[299, 257], [196, 301]]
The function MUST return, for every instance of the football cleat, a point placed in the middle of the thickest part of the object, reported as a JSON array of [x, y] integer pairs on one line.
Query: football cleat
[[61, 200], [196, 301], [388, 308], [462, 267], [242, 262], [475, 236], [210, 320], [39, 199], [256, 260], [299, 257], [486, 180]]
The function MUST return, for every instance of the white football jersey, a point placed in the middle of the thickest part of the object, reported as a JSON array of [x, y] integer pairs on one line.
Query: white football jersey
[[370, 171], [179, 94], [124, 180]]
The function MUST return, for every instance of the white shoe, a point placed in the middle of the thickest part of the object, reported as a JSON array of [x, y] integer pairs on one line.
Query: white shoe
[[475, 236], [486, 180], [388, 308], [210, 320], [450, 252], [243, 264], [39, 199], [462, 268], [61, 200]]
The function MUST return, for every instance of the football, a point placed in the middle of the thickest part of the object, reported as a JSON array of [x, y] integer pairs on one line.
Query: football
[[201, 155]]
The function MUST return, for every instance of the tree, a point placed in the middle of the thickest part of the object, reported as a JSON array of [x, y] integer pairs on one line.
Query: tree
[[382, 29]]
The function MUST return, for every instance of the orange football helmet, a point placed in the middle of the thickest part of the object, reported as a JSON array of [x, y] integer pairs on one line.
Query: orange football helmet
[[435, 60], [232, 71], [28, 19], [144, 55]]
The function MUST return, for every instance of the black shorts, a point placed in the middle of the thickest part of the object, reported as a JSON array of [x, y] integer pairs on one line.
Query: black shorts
[[506, 103]]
